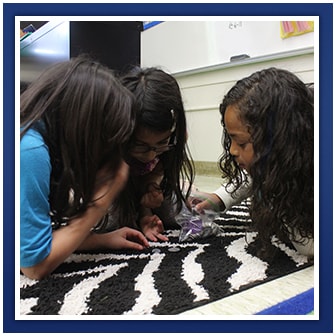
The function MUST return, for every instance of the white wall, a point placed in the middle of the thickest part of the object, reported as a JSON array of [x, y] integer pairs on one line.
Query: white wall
[[202, 68], [186, 45]]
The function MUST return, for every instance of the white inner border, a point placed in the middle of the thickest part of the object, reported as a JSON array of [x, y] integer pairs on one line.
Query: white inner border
[[163, 18]]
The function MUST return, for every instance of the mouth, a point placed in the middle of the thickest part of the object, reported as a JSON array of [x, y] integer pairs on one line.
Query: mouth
[[144, 161], [241, 165]]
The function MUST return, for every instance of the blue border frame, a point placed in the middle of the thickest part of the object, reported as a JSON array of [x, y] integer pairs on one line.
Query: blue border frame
[[150, 24], [301, 304], [325, 323]]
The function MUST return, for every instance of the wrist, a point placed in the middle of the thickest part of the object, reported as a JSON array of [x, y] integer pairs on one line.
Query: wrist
[[216, 202], [94, 241]]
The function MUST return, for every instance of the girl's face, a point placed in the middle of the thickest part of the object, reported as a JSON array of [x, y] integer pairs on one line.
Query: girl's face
[[241, 146], [148, 144]]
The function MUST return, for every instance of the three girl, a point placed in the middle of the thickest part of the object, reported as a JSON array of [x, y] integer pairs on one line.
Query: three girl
[[79, 125]]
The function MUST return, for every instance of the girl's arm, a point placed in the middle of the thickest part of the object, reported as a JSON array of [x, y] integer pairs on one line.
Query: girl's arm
[[77, 234], [221, 199], [65, 241]]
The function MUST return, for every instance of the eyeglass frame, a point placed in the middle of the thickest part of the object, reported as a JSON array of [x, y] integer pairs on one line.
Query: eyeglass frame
[[153, 148]]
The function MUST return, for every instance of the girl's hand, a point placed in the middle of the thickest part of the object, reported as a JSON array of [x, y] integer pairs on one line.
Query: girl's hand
[[108, 185], [152, 228], [124, 238], [127, 238], [153, 198], [205, 201]]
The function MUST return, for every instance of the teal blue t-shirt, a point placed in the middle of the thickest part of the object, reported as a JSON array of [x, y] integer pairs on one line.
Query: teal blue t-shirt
[[35, 221]]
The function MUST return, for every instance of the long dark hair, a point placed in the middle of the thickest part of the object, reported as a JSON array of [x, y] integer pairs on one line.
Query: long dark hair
[[160, 109], [278, 109], [86, 117]]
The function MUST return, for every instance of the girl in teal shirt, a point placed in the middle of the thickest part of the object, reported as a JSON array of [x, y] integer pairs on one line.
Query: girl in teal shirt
[[76, 119]]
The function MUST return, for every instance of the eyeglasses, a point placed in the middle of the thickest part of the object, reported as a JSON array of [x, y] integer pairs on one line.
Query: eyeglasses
[[141, 149]]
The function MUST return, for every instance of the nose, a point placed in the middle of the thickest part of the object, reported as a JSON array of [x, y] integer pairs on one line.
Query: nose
[[234, 151], [149, 156]]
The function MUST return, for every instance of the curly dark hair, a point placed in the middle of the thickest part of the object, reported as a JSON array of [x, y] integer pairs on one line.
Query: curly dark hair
[[278, 110]]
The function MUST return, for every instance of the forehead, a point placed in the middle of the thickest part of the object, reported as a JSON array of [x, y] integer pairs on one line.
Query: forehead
[[233, 123], [150, 136]]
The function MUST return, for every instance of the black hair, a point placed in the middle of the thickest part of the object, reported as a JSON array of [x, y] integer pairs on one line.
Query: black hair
[[159, 108], [278, 110], [86, 117]]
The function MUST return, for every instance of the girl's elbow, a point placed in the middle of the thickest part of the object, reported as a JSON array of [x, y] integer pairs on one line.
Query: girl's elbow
[[35, 272]]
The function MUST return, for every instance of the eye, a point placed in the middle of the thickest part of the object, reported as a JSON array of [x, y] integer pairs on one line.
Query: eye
[[242, 145], [163, 143]]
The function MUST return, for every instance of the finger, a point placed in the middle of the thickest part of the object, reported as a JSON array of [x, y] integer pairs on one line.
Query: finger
[[134, 246], [157, 220], [200, 207], [195, 201], [136, 236], [151, 237], [162, 237], [142, 240], [160, 227]]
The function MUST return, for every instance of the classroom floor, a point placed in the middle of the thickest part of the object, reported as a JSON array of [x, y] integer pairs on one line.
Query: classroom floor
[[207, 183], [260, 297]]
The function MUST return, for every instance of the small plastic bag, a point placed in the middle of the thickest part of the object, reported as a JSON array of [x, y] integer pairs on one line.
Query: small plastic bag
[[195, 225]]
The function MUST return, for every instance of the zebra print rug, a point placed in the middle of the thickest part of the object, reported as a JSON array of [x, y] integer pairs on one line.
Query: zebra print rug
[[168, 278]]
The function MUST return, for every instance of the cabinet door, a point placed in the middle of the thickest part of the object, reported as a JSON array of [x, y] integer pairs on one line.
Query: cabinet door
[[113, 43]]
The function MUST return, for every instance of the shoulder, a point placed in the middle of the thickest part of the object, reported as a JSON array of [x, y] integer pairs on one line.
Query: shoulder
[[31, 140], [34, 155], [32, 146]]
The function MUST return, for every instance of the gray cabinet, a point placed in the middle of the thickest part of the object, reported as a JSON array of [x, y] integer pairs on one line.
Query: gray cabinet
[[113, 43]]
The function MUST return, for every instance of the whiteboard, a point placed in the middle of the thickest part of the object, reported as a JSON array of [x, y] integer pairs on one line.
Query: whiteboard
[[185, 45]]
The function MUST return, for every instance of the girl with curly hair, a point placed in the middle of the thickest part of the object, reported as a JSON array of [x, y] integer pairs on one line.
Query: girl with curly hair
[[268, 141]]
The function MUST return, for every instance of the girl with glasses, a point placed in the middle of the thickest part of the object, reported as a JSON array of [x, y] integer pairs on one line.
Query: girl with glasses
[[161, 169]]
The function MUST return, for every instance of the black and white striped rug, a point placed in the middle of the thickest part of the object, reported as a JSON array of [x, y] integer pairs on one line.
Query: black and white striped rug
[[167, 278]]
